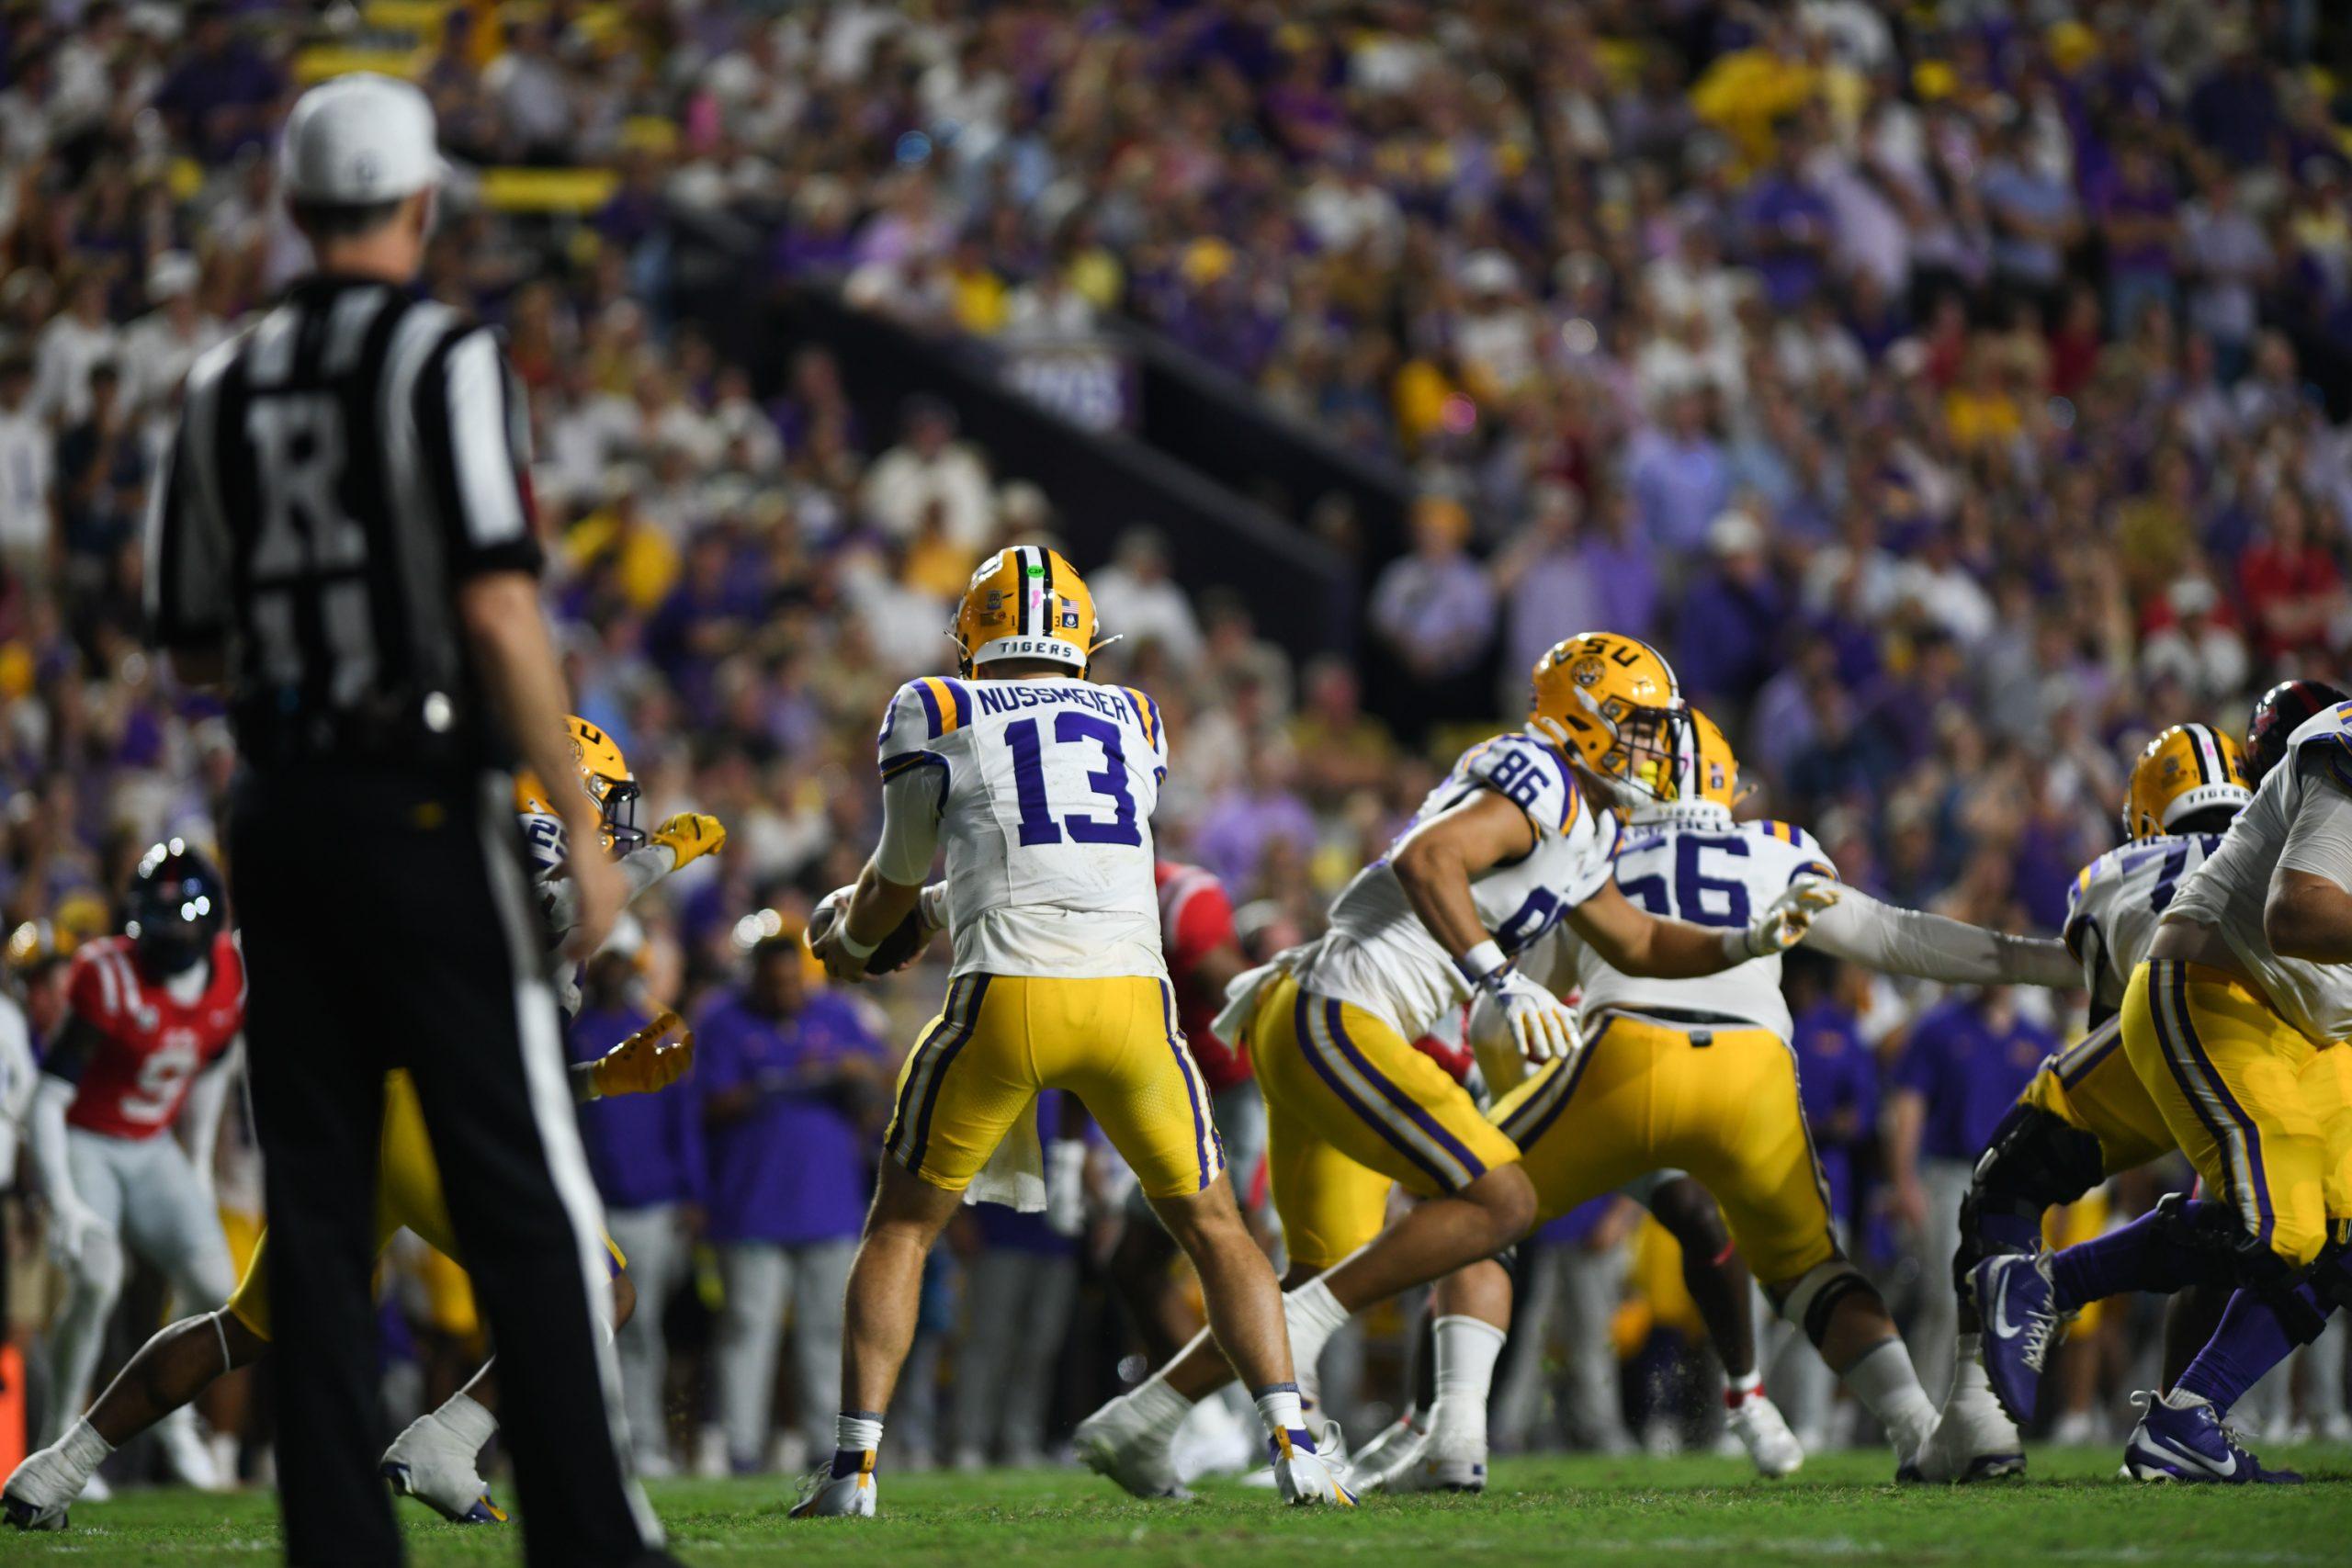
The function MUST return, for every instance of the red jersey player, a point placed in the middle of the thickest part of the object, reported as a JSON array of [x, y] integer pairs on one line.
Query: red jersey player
[[146, 1013]]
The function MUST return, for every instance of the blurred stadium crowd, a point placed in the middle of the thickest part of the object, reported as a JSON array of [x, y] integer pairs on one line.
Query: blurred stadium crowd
[[1956, 392]]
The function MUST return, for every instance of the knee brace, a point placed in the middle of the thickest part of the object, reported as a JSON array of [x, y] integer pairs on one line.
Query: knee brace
[[1815, 1295], [2033, 1162]]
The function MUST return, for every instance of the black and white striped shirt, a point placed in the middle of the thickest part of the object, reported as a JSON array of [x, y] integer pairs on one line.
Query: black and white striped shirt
[[339, 470]]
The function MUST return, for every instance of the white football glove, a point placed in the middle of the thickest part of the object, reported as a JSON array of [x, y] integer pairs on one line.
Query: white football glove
[[1539, 1025], [74, 1228], [1783, 923]]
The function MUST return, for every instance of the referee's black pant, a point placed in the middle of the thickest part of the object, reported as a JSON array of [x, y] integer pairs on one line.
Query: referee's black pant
[[388, 924]]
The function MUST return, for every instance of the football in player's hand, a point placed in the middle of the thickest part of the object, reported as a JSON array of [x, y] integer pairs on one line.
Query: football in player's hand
[[894, 952]]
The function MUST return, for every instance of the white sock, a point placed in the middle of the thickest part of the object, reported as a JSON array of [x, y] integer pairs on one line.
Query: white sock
[[1968, 1377], [1466, 1352], [82, 1448], [855, 1432], [1160, 1408], [464, 1418], [1883, 1379], [1278, 1407], [1311, 1314], [1739, 1391]]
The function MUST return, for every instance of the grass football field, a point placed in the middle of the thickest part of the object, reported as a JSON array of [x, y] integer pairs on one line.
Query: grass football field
[[1840, 1509]]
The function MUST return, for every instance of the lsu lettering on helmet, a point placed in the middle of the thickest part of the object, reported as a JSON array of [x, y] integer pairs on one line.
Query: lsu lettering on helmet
[[1614, 702], [2278, 714], [2187, 769], [1027, 601], [603, 774]]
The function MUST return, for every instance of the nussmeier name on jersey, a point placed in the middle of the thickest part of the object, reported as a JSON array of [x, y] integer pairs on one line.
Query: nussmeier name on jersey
[[1377, 953], [1043, 792]]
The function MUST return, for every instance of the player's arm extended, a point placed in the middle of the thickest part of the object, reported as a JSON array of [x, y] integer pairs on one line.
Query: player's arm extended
[[1894, 941], [1634, 941], [890, 884], [2308, 914]]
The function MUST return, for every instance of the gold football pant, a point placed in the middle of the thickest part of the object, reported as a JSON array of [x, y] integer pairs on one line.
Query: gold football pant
[[2092, 1087], [408, 1196], [1352, 1109], [2259, 1110], [1718, 1103], [999, 1039]]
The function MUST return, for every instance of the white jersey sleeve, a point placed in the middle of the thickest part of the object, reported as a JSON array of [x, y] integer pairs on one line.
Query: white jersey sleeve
[[1710, 873], [2228, 891], [1377, 953], [1046, 794], [2116, 901]]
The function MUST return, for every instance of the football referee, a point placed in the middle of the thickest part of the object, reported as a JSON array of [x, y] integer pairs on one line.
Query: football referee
[[342, 540]]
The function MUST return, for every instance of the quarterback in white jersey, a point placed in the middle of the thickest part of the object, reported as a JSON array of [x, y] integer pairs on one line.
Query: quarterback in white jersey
[[1516, 840], [1040, 786]]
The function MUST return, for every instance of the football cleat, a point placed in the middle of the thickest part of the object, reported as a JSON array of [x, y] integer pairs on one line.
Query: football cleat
[[1303, 1476], [2013, 1297], [1451, 1457], [185, 1450], [1757, 1422], [1114, 1442], [1973, 1442], [42, 1490], [842, 1488], [2182, 1438], [1369, 1466]]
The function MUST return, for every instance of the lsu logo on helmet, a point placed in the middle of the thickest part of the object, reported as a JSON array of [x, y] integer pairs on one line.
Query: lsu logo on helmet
[[1026, 603], [2185, 770], [603, 774], [1612, 701]]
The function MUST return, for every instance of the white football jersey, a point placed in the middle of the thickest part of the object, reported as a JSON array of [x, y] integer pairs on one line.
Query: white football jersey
[[2116, 902], [1046, 794], [1720, 874], [1377, 953], [2229, 890]]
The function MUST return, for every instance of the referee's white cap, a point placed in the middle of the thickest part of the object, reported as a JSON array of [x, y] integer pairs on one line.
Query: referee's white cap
[[358, 139]]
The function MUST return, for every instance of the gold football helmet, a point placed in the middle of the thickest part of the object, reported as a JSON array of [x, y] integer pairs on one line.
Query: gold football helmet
[[1614, 702], [2187, 769], [1026, 603], [603, 774], [1704, 768]]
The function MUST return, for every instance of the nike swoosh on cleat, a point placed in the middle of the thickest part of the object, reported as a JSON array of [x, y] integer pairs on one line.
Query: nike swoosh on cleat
[[2001, 1325]]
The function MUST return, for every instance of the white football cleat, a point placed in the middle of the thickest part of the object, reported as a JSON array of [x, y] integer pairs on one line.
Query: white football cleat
[[828, 1495], [1114, 1441], [1757, 1422], [1369, 1466], [42, 1489], [426, 1462], [186, 1452], [1451, 1457], [1975, 1440], [1305, 1478]]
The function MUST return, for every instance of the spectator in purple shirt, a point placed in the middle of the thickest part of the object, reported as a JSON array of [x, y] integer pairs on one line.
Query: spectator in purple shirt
[[1965, 1066], [645, 1153], [1786, 226], [1680, 477], [221, 97], [786, 1072]]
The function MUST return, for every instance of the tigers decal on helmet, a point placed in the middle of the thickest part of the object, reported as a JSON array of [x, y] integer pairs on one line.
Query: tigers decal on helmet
[[1026, 602], [603, 774], [2185, 770]]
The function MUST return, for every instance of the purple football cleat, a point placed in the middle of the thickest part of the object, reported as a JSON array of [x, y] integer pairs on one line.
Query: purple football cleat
[[2013, 1298], [2183, 1438]]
